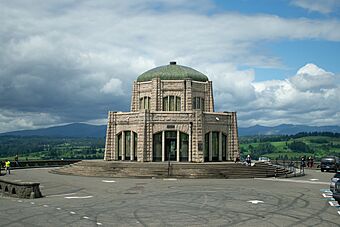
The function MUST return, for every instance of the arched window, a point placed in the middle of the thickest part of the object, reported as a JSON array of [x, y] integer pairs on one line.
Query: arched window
[[172, 103], [127, 145], [198, 103], [144, 103], [213, 146]]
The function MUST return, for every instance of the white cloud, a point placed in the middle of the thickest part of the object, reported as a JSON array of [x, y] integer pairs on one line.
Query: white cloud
[[114, 86], [67, 58], [305, 98], [312, 77], [321, 6]]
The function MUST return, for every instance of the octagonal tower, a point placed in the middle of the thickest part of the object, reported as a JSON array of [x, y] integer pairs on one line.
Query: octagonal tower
[[172, 118]]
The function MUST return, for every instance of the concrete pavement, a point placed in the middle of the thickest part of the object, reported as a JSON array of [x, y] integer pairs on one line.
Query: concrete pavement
[[94, 201]]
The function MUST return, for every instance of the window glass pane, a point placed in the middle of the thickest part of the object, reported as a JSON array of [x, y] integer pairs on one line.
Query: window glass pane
[[184, 146], [148, 104], [194, 103], [135, 146], [157, 147], [202, 104], [165, 104], [141, 104], [206, 147], [119, 146], [178, 103], [127, 144], [224, 147], [215, 140], [172, 103]]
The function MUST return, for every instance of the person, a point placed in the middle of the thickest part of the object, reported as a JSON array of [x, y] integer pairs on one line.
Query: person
[[237, 159], [16, 159], [7, 167], [311, 162], [248, 160], [303, 164]]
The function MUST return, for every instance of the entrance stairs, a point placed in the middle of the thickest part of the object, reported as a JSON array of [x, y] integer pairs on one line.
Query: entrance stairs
[[223, 170]]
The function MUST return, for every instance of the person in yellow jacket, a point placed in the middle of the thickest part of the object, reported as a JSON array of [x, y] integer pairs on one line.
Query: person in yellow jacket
[[7, 166]]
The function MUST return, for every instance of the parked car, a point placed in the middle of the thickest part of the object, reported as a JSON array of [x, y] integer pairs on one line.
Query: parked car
[[264, 159], [330, 163], [334, 179], [336, 193]]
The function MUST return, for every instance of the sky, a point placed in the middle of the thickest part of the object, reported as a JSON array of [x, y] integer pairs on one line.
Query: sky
[[274, 62]]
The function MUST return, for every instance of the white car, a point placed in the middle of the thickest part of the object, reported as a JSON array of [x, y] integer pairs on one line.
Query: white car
[[334, 179], [264, 159]]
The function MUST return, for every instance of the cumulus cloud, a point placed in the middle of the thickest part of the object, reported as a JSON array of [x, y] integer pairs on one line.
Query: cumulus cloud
[[113, 87], [74, 61], [321, 6], [309, 97]]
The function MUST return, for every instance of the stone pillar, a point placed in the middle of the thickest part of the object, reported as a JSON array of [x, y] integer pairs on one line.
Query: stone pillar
[[220, 146], [177, 146], [163, 146], [210, 146], [123, 145], [190, 144], [132, 144]]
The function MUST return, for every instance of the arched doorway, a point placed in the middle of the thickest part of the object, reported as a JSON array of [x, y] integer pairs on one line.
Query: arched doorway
[[215, 148], [127, 146], [170, 145]]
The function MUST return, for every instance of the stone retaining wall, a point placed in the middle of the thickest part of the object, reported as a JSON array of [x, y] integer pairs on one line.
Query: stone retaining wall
[[24, 190]]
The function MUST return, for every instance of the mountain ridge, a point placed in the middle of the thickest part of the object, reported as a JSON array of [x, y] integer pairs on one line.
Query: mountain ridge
[[99, 131]]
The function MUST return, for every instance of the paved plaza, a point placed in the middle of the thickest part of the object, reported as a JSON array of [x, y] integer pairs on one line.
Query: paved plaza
[[93, 201]]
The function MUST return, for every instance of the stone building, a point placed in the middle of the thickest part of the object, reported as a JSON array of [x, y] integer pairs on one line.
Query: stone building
[[172, 118]]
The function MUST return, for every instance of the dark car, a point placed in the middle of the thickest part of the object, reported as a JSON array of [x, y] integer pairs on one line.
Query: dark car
[[334, 179], [336, 193], [330, 163]]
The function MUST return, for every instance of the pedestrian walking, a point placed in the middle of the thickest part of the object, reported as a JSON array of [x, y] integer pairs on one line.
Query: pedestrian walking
[[8, 167], [16, 159]]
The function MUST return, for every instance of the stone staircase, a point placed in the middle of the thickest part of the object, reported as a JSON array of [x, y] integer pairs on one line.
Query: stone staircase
[[179, 170]]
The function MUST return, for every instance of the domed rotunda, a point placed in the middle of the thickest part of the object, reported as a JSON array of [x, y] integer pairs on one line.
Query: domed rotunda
[[172, 118]]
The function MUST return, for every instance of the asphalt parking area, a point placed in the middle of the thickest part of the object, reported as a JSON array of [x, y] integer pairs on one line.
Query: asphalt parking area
[[92, 201]]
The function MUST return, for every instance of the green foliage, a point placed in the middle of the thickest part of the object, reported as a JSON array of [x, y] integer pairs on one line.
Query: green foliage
[[292, 147], [299, 146], [51, 147]]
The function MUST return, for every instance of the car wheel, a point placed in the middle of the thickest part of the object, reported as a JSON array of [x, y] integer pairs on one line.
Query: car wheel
[[322, 170]]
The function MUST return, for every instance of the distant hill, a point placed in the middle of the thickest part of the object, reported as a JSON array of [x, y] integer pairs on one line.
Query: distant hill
[[99, 131], [285, 129], [71, 130]]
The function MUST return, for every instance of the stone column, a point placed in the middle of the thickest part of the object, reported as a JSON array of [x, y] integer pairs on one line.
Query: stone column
[[163, 146], [220, 146], [132, 144], [177, 146], [210, 146], [123, 145], [189, 151]]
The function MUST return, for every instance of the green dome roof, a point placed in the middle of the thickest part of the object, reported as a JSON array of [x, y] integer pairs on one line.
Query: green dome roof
[[172, 72]]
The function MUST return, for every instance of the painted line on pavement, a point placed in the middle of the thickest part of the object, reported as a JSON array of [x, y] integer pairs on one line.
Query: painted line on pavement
[[72, 212], [255, 201], [169, 178], [293, 181], [56, 195], [108, 181], [79, 197]]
